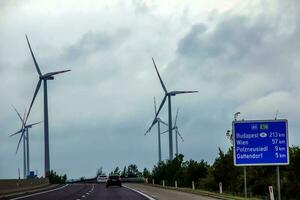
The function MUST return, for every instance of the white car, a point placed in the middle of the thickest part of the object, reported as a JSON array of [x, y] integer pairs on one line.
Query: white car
[[101, 179]]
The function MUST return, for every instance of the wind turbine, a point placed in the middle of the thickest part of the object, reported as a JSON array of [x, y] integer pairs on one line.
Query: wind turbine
[[24, 142], [167, 95], [25, 136], [45, 78], [158, 121], [176, 132]]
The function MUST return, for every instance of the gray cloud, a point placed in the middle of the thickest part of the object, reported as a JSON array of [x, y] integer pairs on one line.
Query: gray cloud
[[92, 43], [5, 5], [140, 7], [241, 47]]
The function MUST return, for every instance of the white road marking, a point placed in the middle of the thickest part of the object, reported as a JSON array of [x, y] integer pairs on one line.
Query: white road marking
[[91, 190], [40, 193], [141, 193]]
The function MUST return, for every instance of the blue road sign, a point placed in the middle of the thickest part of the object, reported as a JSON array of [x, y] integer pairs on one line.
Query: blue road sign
[[262, 142]]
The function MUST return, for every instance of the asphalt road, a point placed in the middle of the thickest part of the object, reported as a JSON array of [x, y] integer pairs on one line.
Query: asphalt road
[[85, 192]]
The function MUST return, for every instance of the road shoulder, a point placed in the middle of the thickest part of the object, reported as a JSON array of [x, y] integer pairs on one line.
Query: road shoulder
[[166, 194], [27, 191]]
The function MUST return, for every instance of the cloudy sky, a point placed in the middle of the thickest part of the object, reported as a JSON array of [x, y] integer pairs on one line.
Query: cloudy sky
[[240, 56]]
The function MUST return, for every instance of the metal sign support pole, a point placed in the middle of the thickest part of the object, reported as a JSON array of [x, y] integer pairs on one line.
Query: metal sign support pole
[[278, 183], [245, 182]]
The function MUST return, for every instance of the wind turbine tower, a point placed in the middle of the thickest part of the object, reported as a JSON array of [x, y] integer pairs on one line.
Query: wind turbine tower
[[27, 145]]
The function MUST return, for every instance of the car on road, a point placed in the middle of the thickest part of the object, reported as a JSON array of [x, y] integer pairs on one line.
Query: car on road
[[114, 180], [101, 179]]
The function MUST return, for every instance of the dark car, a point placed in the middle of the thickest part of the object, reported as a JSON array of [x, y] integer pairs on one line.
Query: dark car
[[114, 180]]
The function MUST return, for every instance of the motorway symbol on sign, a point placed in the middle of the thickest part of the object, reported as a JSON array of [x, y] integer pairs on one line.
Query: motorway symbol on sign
[[262, 142]]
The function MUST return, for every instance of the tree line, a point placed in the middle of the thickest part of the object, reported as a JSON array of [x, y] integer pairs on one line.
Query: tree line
[[55, 178], [128, 172]]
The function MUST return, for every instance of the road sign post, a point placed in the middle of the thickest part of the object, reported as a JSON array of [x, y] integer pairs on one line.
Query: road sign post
[[278, 183], [245, 182], [261, 142]]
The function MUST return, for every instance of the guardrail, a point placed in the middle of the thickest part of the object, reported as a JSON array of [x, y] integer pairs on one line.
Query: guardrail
[[133, 180], [125, 180]]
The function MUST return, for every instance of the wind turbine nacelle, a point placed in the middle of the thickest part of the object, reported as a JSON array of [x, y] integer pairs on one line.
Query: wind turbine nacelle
[[50, 78], [47, 77], [172, 93]]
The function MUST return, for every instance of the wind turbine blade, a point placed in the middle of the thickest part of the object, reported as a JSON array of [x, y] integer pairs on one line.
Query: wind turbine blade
[[34, 123], [22, 135], [154, 106], [147, 132], [177, 132], [153, 123], [161, 82], [276, 114], [161, 121], [35, 63], [57, 72], [24, 116], [18, 115], [182, 92], [35, 93], [16, 133], [160, 107], [176, 116], [166, 131]]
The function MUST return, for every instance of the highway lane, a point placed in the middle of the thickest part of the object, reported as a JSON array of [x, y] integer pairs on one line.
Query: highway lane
[[115, 192], [86, 192]]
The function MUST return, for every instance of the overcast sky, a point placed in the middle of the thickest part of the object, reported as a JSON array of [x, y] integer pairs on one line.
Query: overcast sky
[[240, 56]]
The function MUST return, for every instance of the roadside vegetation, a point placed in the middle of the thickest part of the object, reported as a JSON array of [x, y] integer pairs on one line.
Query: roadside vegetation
[[206, 177], [54, 178]]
